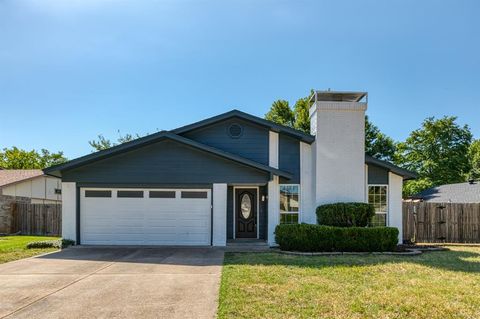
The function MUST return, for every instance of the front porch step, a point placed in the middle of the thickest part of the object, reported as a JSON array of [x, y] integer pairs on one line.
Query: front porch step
[[247, 245], [247, 242]]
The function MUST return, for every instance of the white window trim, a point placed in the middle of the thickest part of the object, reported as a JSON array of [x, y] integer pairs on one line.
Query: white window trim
[[387, 219], [299, 213]]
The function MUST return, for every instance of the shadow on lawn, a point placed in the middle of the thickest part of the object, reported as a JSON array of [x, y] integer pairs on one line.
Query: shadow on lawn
[[466, 260]]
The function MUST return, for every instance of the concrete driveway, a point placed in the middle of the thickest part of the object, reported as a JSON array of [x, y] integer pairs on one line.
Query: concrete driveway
[[106, 282]]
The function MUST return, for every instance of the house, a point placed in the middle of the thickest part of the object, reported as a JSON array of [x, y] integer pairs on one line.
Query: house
[[468, 192], [228, 177], [32, 185]]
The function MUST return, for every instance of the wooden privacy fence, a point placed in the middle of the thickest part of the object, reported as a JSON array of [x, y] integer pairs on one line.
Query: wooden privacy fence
[[37, 219], [441, 222]]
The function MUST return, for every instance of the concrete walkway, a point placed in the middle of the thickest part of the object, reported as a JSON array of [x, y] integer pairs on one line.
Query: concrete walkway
[[106, 282]]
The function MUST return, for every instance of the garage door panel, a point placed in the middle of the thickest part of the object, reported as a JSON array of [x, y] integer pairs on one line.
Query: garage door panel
[[146, 221]]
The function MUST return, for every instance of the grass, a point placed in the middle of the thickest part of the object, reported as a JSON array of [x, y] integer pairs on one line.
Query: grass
[[15, 247], [432, 285]]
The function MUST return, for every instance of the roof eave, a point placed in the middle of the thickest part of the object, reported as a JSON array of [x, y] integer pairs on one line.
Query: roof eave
[[56, 171], [406, 174]]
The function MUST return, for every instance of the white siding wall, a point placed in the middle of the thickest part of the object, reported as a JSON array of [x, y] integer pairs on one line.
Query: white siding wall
[[273, 189], [219, 215], [307, 190], [339, 151], [69, 208], [273, 209], [395, 184], [40, 189]]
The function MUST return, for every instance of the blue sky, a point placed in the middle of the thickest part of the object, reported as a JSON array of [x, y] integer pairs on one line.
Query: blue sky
[[70, 70]]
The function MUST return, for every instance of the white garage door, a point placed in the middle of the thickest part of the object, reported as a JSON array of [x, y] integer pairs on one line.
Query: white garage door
[[145, 216]]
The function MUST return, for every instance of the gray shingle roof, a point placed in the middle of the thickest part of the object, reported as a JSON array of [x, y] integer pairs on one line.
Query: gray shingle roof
[[454, 193], [11, 176]]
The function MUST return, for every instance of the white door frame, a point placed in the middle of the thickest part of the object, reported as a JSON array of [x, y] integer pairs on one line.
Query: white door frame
[[258, 208]]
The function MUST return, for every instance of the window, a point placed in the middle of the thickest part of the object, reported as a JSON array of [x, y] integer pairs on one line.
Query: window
[[289, 204], [130, 194], [98, 193], [193, 194], [162, 194], [377, 196]]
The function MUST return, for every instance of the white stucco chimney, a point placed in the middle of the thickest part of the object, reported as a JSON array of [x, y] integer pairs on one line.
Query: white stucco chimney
[[337, 119]]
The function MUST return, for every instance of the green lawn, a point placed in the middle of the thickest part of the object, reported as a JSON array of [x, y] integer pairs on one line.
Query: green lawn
[[432, 285], [14, 247]]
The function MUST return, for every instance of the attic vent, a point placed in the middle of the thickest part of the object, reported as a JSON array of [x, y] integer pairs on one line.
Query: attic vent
[[235, 130]]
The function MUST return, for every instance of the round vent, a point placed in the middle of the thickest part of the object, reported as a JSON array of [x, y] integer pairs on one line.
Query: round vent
[[235, 131]]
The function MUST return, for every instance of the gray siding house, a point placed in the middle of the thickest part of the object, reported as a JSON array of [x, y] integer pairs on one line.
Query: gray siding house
[[227, 178]]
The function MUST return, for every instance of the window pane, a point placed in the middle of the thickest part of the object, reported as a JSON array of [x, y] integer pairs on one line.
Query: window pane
[[379, 220], [193, 194], [162, 194], [130, 194], [289, 198], [289, 218], [98, 193]]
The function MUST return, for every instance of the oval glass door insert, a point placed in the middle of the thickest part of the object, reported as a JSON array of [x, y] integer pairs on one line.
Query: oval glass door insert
[[246, 206]]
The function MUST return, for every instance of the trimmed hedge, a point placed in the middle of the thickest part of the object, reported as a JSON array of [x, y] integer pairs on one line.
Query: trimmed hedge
[[58, 243], [317, 238], [345, 214]]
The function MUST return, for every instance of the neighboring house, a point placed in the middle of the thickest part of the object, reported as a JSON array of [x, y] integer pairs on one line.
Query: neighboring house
[[228, 177], [468, 192], [32, 184]]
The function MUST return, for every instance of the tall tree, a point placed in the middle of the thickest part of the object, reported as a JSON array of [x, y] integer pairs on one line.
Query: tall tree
[[378, 144], [474, 157], [438, 152], [102, 143], [281, 113], [301, 113], [15, 158]]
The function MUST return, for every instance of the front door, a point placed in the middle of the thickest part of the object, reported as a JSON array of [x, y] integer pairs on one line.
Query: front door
[[246, 213]]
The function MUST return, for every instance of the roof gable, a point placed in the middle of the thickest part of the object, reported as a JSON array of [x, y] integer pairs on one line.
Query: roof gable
[[153, 138], [247, 117]]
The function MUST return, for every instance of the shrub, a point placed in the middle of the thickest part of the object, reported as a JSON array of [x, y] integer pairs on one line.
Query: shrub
[[345, 214], [57, 243], [315, 238]]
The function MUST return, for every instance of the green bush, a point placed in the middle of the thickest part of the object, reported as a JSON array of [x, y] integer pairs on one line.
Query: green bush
[[57, 243], [316, 238], [345, 214]]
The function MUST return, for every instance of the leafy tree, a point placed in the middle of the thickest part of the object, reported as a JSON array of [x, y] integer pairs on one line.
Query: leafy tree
[[281, 113], [15, 158], [474, 157], [438, 152], [301, 113], [102, 143], [378, 144]]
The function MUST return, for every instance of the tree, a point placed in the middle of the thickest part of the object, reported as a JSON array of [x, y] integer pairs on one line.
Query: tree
[[302, 115], [474, 157], [15, 158], [438, 152], [378, 144], [281, 113], [103, 143]]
